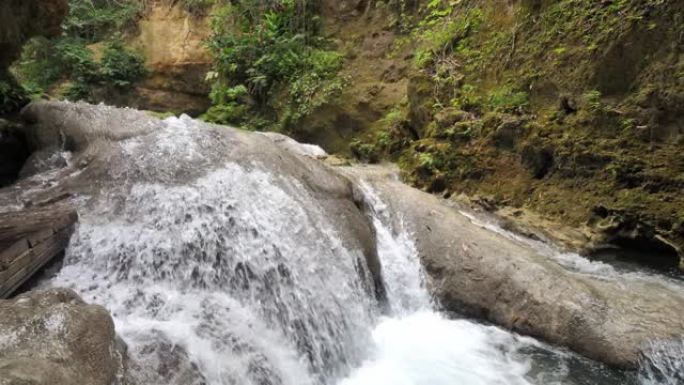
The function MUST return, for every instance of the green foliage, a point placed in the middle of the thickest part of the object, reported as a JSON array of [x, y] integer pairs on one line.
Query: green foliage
[[229, 105], [93, 20], [315, 88], [67, 59], [593, 100], [233, 113], [12, 96], [467, 99], [508, 100], [441, 34], [270, 49], [427, 161], [120, 66], [365, 152]]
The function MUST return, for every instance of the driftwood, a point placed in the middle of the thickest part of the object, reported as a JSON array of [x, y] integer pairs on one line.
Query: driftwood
[[29, 239]]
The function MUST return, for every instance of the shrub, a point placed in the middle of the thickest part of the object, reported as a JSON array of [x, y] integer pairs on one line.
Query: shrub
[[93, 20], [68, 58], [12, 96], [508, 100], [196, 7], [273, 48], [120, 66]]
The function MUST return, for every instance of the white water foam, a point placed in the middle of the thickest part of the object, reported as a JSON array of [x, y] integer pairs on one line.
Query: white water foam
[[239, 269], [663, 363], [425, 348], [415, 345]]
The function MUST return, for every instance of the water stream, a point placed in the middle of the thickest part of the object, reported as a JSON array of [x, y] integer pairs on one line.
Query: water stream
[[239, 277]]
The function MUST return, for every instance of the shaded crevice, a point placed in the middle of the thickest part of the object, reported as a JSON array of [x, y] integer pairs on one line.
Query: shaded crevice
[[640, 251], [14, 151]]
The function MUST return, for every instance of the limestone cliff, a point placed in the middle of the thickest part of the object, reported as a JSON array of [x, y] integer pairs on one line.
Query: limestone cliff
[[173, 44]]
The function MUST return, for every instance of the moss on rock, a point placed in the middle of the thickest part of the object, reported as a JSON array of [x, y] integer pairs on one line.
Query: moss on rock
[[562, 107]]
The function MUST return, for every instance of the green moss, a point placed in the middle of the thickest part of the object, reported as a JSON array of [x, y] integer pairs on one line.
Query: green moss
[[278, 56], [568, 106]]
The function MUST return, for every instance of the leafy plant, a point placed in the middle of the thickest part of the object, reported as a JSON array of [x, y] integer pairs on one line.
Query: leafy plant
[[509, 100], [12, 96], [93, 20], [67, 59], [273, 48], [120, 66], [197, 7], [593, 100]]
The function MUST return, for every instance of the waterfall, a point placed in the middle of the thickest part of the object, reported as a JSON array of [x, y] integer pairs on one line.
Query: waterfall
[[402, 274], [248, 277], [225, 270], [414, 344], [237, 276]]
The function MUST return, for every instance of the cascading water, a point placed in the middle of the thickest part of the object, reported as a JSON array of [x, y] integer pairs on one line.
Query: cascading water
[[416, 345], [233, 268], [241, 276]]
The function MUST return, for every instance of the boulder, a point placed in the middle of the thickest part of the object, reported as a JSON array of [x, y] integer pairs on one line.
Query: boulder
[[54, 338], [483, 274]]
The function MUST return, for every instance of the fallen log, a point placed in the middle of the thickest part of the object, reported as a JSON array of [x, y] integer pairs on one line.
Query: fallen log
[[29, 239]]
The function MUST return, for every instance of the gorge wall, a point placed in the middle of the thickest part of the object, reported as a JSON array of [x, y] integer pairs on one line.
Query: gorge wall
[[561, 114]]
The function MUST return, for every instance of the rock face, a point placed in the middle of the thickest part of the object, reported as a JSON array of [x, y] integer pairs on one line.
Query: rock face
[[174, 45], [54, 338], [472, 270]]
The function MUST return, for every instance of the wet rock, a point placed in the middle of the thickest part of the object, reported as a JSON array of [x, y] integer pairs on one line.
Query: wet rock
[[93, 133], [54, 338], [479, 273], [166, 362], [625, 229]]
